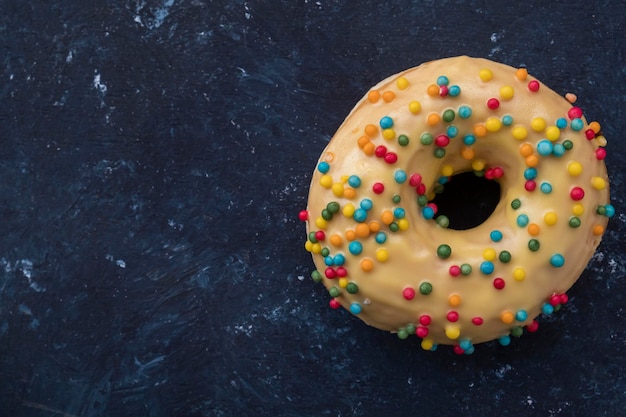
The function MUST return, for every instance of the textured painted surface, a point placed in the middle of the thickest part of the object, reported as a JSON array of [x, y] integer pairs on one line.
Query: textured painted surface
[[154, 157]]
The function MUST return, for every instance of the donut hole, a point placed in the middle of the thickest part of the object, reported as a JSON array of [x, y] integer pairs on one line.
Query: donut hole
[[467, 200]]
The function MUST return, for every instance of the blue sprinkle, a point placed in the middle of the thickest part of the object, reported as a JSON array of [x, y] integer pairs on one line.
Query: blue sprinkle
[[530, 173], [561, 123], [400, 176], [442, 80], [544, 147], [443, 180], [465, 112], [452, 131], [609, 210], [339, 259], [521, 315], [577, 124], [558, 150], [505, 340], [469, 350], [323, 167], [507, 120], [386, 122], [522, 220], [355, 308], [487, 267], [428, 213], [398, 213], [355, 247], [366, 204], [469, 140], [495, 235], [547, 309], [381, 237], [557, 260], [328, 260], [454, 90], [360, 215], [354, 181], [545, 187], [465, 344]]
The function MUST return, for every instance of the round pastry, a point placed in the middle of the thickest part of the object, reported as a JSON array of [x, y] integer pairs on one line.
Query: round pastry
[[458, 201]]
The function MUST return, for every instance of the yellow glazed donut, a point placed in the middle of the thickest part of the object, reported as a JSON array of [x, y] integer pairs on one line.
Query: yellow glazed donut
[[388, 254]]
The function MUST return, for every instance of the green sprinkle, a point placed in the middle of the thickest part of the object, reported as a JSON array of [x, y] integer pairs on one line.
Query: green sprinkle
[[422, 200], [403, 140], [533, 245], [443, 221], [448, 115], [325, 252], [316, 276], [568, 144], [396, 199], [352, 288], [444, 251], [394, 227], [410, 328], [426, 288], [517, 331], [426, 138], [466, 269], [439, 153], [505, 256], [334, 292], [515, 204], [326, 214], [333, 207], [574, 222], [403, 334], [312, 237]]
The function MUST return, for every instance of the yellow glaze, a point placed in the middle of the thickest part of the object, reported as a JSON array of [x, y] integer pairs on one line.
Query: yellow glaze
[[464, 308]]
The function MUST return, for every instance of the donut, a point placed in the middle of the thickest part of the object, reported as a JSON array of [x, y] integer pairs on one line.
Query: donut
[[389, 253]]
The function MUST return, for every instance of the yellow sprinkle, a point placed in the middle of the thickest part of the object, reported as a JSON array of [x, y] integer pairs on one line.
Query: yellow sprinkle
[[403, 224], [321, 223], [538, 124], [415, 107], [493, 124], [316, 248], [454, 300], [598, 183], [308, 245], [344, 178], [326, 181], [348, 210], [507, 317], [402, 83], [489, 254], [578, 209], [389, 134], [382, 255], [485, 75], [342, 282], [427, 344], [453, 332], [553, 133], [338, 189], [519, 132], [601, 141], [550, 218], [574, 168], [519, 274], [478, 165], [506, 92], [447, 170]]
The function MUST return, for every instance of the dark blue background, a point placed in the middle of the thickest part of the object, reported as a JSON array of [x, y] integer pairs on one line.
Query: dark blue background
[[154, 156]]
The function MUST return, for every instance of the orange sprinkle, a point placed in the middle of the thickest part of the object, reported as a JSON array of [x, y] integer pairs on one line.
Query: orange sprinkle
[[363, 140], [571, 97], [480, 130], [336, 240], [526, 149], [373, 96], [595, 126], [389, 96], [349, 193], [532, 161], [367, 264], [374, 226], [598, 229], [433, 90], [507, 317], [433, 119], [371, 130], [467, 153], [350, 235], [329, 156], [369, 149], [387, 217], [521, 74], [454, 300], [362, 230], [533, 229]]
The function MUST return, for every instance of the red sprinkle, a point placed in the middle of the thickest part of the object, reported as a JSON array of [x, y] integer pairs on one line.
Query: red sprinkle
[[600, 154], [421, 331], [443, 90], [330, 273], [458, 350], [477, 321], [577, 194], [498, 172], [493, 103], [590, 134], [564, 298], [498, 283], [455, 271], [532, 327], [415, 180], [575, 113], [452, 316], [320, 235], [533, 86], [433, 206], [442, 141], [530, 185], [304, 215], [408, 293], [425, 320], [555, 300], [421, 189], [390, 158], [378, 188], [334, 304], [342, 272], [380, 151], [489, 174]]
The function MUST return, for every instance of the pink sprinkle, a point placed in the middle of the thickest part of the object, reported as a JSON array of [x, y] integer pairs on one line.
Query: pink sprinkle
[[390, 158], [443, 90], [498, 172], [575, 113], [477, 321], [342, 272], [455, 271], [564, 298], [533, 86], [304, 215], [493, 103], [530, 185], [452, 316], [421, 331], [425, 320], [334, 304], [408, 293], [415, 180], [577, 194], [442, 141], [600, 154]]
